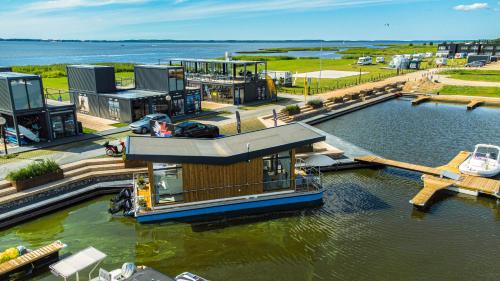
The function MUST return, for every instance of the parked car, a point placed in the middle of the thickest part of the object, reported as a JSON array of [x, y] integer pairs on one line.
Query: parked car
[[478, 63], [143, 126], [195, 130]]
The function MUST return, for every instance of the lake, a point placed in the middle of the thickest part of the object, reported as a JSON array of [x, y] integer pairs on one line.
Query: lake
[[39, 53]]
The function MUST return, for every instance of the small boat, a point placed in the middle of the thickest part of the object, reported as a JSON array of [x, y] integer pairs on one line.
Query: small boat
[[90, 258], [484, 162]]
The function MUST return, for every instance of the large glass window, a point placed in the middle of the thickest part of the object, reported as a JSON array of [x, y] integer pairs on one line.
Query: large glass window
[[168, 182], [19, 94], [114, 108], [179, 76], [34, 93], [176, 79], [277, 171], [172, 83]]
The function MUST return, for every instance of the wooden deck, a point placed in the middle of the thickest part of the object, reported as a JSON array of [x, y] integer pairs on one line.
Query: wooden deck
[[30, 257], [474, 103], [420, 99], [435, 178]]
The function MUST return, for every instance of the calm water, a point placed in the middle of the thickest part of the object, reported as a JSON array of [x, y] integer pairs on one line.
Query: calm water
[[366, 230], [28, 53]]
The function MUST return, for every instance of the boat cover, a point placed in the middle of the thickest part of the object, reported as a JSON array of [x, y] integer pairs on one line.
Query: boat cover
[[77, 262]]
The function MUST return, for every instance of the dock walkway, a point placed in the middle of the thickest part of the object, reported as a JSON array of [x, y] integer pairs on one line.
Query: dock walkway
[[443, 177], [471, 101]]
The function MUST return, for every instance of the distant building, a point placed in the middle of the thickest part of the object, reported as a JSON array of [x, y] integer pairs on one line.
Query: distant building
[[450, 50], [227, 81]]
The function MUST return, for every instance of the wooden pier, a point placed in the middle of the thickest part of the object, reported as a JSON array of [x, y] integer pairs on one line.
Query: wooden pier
[[30, 258], [443, 177], [420, 99], [471, 102]]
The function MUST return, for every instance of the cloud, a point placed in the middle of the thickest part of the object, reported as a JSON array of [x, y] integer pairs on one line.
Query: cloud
[[471, 7], [72, 4]]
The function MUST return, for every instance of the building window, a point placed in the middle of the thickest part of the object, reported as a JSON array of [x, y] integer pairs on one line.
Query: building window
[[277, 171], [19, 94], [34, 93], [176, 79], [114, 109]]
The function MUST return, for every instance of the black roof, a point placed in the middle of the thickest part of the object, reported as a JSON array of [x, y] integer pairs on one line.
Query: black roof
[[226, 150]]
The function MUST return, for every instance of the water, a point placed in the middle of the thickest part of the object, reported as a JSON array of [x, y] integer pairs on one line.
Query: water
[[39, 53], [366, 230]]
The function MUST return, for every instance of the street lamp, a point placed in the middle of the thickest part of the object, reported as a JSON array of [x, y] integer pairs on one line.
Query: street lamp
[[168, 98]]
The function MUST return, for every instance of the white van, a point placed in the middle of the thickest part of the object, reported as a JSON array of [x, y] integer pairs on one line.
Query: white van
[[365, 60], [441, 61], [429, 55], [380, 60]]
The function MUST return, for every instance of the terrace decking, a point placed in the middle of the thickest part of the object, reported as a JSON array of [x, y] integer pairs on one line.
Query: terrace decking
[[443, 177], [30, 257]]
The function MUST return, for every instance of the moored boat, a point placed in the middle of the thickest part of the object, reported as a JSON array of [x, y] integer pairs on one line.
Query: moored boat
[[204, 179], [483, 162]]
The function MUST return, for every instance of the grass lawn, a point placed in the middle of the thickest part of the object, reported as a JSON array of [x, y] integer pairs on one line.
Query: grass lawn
[[119, 125], [390, 50], [375, 72], [474, 75], [247, 125], [470, 91]]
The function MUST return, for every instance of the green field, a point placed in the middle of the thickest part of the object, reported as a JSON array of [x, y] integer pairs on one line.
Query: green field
[[474, 75], [289, 49], [389, 50], [470, 91]]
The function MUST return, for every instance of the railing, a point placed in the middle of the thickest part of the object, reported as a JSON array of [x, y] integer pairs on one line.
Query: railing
[[125, 81], [216, 78], [309, 179], [55, 94]]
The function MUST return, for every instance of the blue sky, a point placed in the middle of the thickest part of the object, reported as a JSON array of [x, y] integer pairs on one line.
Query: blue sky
[[250, 19]]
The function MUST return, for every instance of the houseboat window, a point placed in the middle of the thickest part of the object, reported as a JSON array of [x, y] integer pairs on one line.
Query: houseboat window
[[34, 93], [277, 171], [19, 94], [168, 182]]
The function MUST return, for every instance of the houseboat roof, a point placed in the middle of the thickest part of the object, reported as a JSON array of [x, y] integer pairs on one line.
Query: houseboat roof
[[221, 151]]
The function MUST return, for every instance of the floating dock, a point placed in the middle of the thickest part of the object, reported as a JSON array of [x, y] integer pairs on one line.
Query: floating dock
[[420, 99], [443, 177], [37, 258]]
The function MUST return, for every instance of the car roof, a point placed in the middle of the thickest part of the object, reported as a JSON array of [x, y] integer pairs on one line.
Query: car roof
[[187, 124]]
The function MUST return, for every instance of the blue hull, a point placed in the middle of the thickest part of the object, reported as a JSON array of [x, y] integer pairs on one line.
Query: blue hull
[[252, 206]]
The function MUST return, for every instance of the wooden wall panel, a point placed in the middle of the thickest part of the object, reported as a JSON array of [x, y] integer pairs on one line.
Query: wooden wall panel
[[205, 182]]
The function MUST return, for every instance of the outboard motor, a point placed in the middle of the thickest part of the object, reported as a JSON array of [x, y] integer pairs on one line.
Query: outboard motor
[[124, 205], [125, 193], [128, 269]]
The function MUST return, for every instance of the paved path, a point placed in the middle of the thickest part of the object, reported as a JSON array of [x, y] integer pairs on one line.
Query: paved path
[[457, 82]]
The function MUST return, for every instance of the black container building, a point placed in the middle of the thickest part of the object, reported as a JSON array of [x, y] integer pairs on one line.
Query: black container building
[[227, 81], [29, 117], [5, 69], [450, 49], [153, 83]]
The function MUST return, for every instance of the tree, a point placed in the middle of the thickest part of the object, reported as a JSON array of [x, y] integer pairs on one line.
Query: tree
[[431, 43], [411, 44]]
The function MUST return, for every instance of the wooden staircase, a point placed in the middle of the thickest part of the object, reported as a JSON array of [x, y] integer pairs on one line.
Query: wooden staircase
[[73, 172]]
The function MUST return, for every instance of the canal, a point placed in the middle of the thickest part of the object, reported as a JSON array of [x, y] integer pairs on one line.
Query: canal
[[366, 230]]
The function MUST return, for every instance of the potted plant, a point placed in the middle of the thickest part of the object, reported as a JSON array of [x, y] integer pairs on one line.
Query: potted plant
[[35, 174], [291, 109], [315, 103], [141, 182]]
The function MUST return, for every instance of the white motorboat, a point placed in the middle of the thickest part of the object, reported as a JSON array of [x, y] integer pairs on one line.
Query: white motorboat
[[484, 162]]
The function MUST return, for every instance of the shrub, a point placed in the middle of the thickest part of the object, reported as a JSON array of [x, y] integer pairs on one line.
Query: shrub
[[316, 103], [33, 170], [291, 109]]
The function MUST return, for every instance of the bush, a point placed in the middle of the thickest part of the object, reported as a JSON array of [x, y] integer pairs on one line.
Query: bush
[[291, 109], [33, 170], [316, 103]]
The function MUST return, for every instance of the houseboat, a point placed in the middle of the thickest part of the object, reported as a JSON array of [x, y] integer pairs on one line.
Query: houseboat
[[245, 174]]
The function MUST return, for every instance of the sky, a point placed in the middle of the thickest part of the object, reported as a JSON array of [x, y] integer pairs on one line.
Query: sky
[[250, 19]]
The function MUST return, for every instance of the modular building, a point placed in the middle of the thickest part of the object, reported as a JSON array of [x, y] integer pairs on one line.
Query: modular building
[[30, 117], [228, 81], [451, 49], [94, 93], [5, 69]]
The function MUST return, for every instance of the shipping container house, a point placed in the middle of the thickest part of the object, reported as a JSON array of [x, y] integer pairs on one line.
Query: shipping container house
[[228, 81], [30, 118], [152, 86]]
